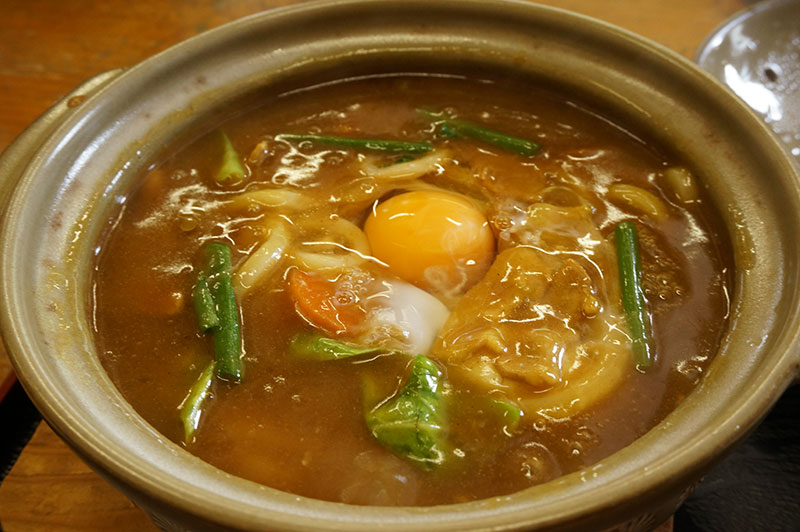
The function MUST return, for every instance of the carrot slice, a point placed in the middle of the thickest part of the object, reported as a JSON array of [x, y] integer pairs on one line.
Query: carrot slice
[[316, 300]]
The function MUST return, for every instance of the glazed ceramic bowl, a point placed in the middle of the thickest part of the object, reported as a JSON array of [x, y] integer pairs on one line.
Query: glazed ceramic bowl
[[63, 176]]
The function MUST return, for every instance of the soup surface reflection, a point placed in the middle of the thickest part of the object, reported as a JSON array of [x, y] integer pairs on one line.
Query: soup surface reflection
[[410, 290]]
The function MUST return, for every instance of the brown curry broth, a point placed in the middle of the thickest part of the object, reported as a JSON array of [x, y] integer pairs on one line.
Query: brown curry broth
[[298, 425]]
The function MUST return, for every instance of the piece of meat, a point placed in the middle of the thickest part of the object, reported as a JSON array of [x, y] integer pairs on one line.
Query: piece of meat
[[544, 327]]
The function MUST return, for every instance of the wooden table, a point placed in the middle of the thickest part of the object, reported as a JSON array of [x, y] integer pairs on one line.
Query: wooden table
[[49, 46]]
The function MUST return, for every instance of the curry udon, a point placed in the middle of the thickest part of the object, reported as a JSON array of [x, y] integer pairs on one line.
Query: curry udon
[[410, 289]]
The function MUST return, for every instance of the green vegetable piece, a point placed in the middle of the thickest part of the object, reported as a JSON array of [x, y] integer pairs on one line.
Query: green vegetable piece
[[633, 299], [509, 414], [315, 347], [191, 408], [227, 334], [410, 424], [204, 306], [370, 392], [393, 146], [447, 130], [452, 128], [231, 167]]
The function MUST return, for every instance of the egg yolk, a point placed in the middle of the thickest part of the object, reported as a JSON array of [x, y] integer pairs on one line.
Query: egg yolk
[[436, 240]]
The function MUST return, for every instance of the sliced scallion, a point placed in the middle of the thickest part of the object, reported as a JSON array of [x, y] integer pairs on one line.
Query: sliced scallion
[[216, 269], [453, 128], [393, 146], [231, 168], [633, 299], [192, 406]]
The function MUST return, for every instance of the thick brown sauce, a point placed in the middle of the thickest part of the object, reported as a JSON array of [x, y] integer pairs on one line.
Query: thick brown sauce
[[298, 425]]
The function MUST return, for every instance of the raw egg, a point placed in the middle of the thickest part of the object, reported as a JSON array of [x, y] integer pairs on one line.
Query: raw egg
[[436, 240]]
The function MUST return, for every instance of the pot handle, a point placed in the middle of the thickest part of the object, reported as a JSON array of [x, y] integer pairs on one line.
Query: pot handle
[[15, 158]]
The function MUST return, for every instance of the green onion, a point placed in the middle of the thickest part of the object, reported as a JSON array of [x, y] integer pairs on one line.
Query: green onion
[[451, 128], [191, 408], [204, 305], [231, 167], [227, 335], [447, 130], [315, 347], [633, 299], [394, 146]]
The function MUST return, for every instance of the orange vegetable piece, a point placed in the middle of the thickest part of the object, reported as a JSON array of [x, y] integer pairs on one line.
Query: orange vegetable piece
[[316, 300]]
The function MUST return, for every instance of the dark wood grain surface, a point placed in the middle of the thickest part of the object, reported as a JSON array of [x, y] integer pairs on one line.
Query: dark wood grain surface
[[47, 47]]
